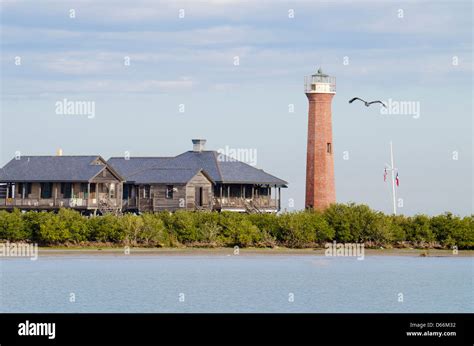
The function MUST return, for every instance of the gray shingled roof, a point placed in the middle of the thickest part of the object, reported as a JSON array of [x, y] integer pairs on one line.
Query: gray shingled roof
[[133, 165], [50, 169], [219, 170], [163, 176]]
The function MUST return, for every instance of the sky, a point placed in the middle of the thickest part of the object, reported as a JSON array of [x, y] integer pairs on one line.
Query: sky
[[160, 73]]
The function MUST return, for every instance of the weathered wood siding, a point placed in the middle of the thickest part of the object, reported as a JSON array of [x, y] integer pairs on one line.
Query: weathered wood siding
[[105, 176], [183, 197], [160, 202], [199, 180]]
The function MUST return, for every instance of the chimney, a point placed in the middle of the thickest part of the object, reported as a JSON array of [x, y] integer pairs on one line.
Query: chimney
[[198, 145], [59, 152]]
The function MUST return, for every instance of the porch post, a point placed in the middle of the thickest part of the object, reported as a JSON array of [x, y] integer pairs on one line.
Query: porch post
[[220, 199], [128, 193], [276, 197], [120, 196], [279, 198], [23, 190], [97, 192], [138, 198], [8, 190], [39, 191], [55, 193], [88, 193], [136, 191]]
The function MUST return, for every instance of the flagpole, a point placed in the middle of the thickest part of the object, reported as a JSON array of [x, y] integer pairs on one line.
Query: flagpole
[[393, 179]]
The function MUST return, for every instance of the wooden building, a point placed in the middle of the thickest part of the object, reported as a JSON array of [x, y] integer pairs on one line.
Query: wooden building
[[85, 183], [197, 179], [157, 189]]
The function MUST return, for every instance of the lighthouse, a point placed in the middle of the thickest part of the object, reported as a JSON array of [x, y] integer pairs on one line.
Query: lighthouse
[[320, 88]]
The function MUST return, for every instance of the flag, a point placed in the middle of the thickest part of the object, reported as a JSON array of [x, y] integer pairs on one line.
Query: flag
[[397, 180], [385, 175]]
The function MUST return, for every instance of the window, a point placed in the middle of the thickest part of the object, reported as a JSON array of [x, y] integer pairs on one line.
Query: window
[[98, 162], [146, 191], [328, 148], [46, 190], [169, 192], [248, 191], [66, 190], [263, 191], [93, 190], [126, 191], [27, 189], [235, 191], [112, 190], [11, 190], [84, 190]]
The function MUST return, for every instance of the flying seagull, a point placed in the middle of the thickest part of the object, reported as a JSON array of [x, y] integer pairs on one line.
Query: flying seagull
[[367, 104]]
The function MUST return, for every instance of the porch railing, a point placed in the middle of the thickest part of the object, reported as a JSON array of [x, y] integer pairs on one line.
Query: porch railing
[[240, 202], [130, 203], [55, 202]]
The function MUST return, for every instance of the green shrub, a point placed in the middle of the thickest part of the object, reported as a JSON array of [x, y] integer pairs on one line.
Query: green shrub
[[466, 238], [340, 222], [358, 223], [302, 229], [153, 231], [418, 229], [339, 219], [106, 228], [183, 224], [397, 224], [33, 221], [53, 230], [452, 230], [12, 226], [238, 230], [266, 223], [75, 224], [131, 225], [352, 222], [208, 228]]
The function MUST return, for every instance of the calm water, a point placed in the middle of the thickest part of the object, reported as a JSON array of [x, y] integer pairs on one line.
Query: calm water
[[236, 284]]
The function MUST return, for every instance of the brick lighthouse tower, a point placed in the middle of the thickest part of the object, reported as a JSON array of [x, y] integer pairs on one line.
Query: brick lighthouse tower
[[320, 191]]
